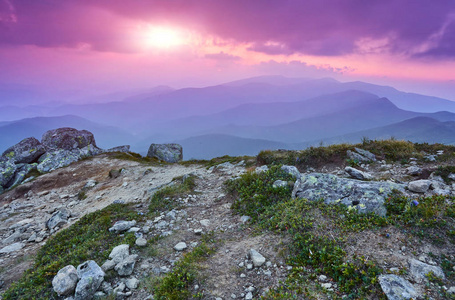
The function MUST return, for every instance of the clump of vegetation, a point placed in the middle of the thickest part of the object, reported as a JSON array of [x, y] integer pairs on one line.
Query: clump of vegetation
[[444, 172], [178, 283], [88, 239], [166, 198], [391, 150], [319, 233], [81, 195], [132, 156]]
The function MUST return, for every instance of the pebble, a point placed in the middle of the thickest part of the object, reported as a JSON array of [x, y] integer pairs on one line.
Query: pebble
[[141, 242], [180, 246]]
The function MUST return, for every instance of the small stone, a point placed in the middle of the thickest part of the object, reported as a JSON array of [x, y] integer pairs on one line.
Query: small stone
[[242, 264], [108, 265], [205, 222], [256, 257], [419, 186], [180, 246], [198, 231], [126, 267], [120, 226], [249, 296], [64, 283], [132, 283], [244, 219], [326, 285], [322, 278], [119, 253], [141, 242], [249, 266], [233, 296], [242, 275]]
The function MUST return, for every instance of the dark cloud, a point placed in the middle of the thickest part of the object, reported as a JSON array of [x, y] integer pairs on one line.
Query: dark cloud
[[316, 27]]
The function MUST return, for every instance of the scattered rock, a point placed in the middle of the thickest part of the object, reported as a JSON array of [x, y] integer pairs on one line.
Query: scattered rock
[[280, 183], [12, 248], [64, 283], [414, 171], [397, 288], [141, 242], [58, 218], [256, 257], [132, 283], [291, 170], [126, 266], [124, 148], [119, 253], [180, 246], [419, 186], [171, 153], [366, 154], [120, 226], [26, 151], [7, 171], [261, 169], [90, 278], [245, 219], [419, 270], [357, 174]]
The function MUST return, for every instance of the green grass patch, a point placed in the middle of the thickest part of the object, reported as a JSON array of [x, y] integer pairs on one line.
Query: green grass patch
[[178, 284], [166, 198], [444, 172], [132, 156], [87, 239]]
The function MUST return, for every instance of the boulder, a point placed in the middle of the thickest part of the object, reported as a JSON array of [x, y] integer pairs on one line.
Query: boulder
[[65, 281], [126, 267], [119, 253], [171, 153], [26, 151], [58, 218], [90, 278], [419, 186], [120, 226], [291, 170], [419, 270], [414, 171], [256, 257], [397, 288], [57, 159], [124, 148], [365, 196], [367, 154], [67, 139], [21, 172], [7, 172], [12, 248], [361, 156], [357, 174]]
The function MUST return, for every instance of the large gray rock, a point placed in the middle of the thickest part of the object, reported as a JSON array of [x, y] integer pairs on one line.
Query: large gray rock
[[21, 172], [26, 151], [7, 172], [171, 153], [357, 174], [396, 288], [367, 154], [119, 253], [361, 156], [58, 218], [365, 196], [12, 248], [65, 281], [419, 186], [90, 278], [67, 138], [126, 267], [124, 148], [419, 270], [61, 158], [120, 226]]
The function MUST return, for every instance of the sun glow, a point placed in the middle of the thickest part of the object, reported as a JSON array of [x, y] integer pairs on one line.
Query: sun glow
[[164, 37]]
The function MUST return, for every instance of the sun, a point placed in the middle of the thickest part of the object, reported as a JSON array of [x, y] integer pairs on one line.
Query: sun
[[164, 37]]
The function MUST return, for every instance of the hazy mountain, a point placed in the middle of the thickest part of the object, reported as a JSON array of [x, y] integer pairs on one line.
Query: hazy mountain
[[418, 130], [215, 145], [105, 136]]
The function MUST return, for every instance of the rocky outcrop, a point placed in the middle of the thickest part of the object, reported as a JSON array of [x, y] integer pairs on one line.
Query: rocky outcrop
[[364, 196], [67, 139], [171, 153], [361, 156], [26, 151]]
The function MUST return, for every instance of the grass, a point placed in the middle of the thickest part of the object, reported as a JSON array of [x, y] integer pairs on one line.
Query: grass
[[167, 198], [390, 150], [178, 284], [444, 172], [132, 156], [319, 234], [88, 239]]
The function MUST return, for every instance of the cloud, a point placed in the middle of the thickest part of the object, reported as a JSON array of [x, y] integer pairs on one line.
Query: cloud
[[222, 56], [311, 27]]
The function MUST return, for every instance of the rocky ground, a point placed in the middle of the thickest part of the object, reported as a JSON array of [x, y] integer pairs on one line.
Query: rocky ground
[[229, 273]]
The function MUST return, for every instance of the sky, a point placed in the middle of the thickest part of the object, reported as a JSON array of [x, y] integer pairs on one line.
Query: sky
[[97, 46]]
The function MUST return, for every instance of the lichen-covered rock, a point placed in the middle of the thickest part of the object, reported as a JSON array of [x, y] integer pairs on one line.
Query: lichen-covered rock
[[26, 151], [21, 173], [291, 170], [397, 288], [62, 158], [7, 172], [171, 153], [90, 278], [419, 186], [365, 196], [65, 281], [419, 270], [124, 148], [357, 174], [67, 138]]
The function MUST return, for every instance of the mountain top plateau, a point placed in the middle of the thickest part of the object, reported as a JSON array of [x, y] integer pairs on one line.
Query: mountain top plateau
[[375, 220]]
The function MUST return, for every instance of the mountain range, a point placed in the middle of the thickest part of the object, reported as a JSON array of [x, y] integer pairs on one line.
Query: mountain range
[[244, 117]]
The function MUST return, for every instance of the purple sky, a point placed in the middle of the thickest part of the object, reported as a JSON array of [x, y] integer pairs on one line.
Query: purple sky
[[108, 45]]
